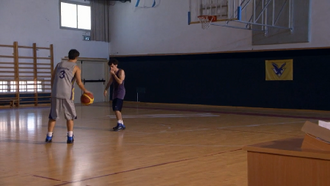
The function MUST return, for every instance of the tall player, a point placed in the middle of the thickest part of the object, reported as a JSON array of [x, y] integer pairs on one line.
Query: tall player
[[117, 78], [62, 82]]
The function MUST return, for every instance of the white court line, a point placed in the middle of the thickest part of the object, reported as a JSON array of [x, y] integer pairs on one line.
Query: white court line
[[180, 145], [167, 115], [226, 127], [263, 124]]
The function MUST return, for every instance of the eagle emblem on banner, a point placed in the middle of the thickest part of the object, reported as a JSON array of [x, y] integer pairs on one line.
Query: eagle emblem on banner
[[278, 70]]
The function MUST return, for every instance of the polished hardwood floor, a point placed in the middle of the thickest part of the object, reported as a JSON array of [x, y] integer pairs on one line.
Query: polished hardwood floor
[[163, 145]]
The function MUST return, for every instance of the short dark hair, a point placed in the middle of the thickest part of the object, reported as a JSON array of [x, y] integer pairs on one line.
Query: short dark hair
[[73, 54], [113, 61]]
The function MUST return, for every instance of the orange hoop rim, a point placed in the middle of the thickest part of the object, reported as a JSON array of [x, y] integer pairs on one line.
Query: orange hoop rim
[[210, 18]]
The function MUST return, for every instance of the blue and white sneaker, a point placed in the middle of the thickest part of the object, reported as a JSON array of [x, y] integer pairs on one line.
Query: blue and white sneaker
[[70, 139], [48, 139], [119, 126], [116, 126]]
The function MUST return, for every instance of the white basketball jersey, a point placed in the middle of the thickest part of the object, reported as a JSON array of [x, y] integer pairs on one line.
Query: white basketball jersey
[[64, 80]]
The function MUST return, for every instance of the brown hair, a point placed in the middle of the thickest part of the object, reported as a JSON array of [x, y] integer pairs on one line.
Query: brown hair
[[113, 61]]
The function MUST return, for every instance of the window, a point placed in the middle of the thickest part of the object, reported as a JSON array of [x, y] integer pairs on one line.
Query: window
[[3, 86], [76, 16], [24, 86]]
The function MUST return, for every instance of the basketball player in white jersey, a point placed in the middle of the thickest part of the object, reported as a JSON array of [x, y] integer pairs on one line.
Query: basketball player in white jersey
[[64, 76]]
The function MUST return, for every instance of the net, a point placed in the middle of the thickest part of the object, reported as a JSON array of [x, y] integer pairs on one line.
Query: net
[[206, 20]]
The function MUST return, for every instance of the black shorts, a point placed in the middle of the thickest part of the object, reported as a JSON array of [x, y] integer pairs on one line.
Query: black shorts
[[117, 104]]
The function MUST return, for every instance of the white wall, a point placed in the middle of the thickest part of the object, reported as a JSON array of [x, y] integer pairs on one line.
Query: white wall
[[164, 30], [38, 21], [160, 30]]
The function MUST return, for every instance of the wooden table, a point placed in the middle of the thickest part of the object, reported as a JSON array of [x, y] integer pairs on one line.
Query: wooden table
[[283, 163]]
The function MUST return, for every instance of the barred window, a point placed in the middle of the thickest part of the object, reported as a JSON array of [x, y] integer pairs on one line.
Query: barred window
[[75, 15], [24, 86]]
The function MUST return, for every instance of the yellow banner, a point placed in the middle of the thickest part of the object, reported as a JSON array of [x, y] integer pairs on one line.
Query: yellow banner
[[279, 70]]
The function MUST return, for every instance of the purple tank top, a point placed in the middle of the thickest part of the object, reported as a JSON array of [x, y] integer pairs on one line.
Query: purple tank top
[[118, 89]]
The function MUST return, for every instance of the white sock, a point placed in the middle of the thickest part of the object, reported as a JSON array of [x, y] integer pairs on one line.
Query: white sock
[[50, 134], [121, 122], [70, 133]]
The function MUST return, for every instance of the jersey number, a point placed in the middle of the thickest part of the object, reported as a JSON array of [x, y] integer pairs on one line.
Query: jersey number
[[62, 74]]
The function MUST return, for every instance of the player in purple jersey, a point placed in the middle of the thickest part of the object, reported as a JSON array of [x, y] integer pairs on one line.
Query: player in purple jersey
[[117, 79]]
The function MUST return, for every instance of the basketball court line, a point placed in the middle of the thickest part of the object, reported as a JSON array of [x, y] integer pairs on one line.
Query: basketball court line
[[165, 115], [261, 132], [142, 168], [180, 145], [224, 129], [231, 128], [230, 112], [43, 177], [262, 124]]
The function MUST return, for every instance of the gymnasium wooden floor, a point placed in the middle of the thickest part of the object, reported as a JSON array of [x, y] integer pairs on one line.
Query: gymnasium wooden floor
[[163, 145]]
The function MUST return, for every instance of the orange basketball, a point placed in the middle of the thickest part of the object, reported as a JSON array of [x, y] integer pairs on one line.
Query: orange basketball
[[87, 98]]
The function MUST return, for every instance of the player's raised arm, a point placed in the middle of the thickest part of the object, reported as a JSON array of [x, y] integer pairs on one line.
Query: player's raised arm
[[121, 76]]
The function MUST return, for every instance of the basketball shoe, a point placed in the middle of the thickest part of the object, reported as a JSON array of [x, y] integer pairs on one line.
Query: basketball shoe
[[119, 126], [48, 139], [70, 139]]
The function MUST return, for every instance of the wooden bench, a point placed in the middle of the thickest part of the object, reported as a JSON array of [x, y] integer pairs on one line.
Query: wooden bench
[[8, 100]]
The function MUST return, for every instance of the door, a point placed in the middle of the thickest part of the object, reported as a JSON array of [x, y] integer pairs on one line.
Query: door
[[94, 76]]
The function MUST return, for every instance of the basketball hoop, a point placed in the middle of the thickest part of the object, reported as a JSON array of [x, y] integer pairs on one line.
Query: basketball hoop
[[206, 20]]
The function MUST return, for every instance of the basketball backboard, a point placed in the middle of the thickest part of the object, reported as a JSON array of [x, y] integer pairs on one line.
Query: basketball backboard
[[251, 14], [218, 8], [271, 21]]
